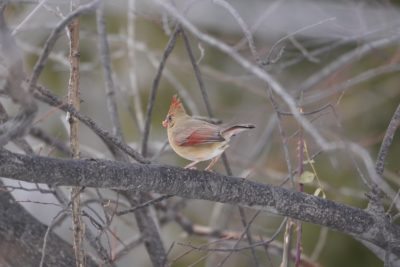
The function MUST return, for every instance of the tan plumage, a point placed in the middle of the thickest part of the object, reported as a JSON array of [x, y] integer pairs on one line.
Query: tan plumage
[[195, 139]]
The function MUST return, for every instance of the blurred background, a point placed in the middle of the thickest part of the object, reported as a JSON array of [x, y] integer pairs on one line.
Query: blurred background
[[294, 42]]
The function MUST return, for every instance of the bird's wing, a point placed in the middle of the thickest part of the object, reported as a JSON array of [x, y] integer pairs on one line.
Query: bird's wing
[[199, 133]]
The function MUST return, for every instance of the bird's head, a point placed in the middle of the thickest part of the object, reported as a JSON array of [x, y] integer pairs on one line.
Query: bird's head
[[175, 112]]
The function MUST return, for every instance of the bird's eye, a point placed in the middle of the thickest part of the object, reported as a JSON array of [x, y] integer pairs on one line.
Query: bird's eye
[[169, 118]]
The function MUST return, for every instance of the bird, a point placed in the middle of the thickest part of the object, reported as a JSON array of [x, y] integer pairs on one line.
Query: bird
[[195, 139]]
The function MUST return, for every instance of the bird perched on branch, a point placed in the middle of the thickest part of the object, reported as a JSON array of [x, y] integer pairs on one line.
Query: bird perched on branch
[[195, 139]]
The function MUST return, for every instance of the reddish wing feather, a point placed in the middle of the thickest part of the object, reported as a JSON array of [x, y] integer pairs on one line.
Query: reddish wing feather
[[203, 135]]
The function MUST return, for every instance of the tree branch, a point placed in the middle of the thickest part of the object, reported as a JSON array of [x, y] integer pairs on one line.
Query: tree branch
[[387, 141], [195, 184], [51, 41], [18, 126], [146, 224], [27, 250], [46, 96], [154, 88]]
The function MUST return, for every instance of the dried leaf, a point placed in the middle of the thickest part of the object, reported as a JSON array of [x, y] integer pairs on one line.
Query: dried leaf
[[306, 177], [319, 191]]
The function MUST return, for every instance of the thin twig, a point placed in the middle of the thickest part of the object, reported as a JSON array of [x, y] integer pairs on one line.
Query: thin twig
[[104, 53], [40, 134], [245, 232], [327, 49], [197, 72], [19, 125], [247, 34], [19, 142], [46, 96], [267, 12], [287, 239], [19, 26], [51, 41], [322, 238], [387, 141], [133, 62], [303, 50], [363, 77], [283, 136], [383, 152], [346, 59], [268, 60], [300, 170], [152, 97], [248, 235], [45, 238], [144, 205]]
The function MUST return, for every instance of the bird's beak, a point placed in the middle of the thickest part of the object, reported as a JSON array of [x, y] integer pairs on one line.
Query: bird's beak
[[165, 123]]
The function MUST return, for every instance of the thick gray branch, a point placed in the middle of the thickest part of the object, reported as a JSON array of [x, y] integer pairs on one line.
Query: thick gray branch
[[193, 184], [21, 239]]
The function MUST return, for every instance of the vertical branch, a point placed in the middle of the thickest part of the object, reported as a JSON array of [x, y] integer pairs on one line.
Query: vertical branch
[[74, 100], [105, 62], [203, 91], [380, 162], [300, 169], [152, 98], [221, 213], [137, 103], [387, 141], [248, 235], [287, 237], [245, 232], [197, 73], [18, 126], [51, 41], [146, 224]]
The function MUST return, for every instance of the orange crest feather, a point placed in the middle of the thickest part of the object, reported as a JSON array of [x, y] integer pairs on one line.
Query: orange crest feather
[[176, 105]]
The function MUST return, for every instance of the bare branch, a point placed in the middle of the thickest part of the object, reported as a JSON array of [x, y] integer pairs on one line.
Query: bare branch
[[27, 251], [19, 125], [363, 77], [194, 184], [134, 68], [106, 64], [74, 99], [50, 140], [46, 96], [154, 88], [146, 224], [347, 58], [51, 41], [387, 141], [242, 24]]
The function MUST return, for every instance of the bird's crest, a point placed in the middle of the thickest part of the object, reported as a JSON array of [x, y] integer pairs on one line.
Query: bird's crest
[[176, 106]]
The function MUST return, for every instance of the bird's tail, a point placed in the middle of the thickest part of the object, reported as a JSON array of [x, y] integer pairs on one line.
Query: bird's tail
[[233, 130]]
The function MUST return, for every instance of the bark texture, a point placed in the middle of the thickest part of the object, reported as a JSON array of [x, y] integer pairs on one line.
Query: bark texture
[[193, 184]]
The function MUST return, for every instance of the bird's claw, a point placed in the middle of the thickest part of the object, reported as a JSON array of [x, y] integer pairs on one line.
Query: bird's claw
[[191, 168]]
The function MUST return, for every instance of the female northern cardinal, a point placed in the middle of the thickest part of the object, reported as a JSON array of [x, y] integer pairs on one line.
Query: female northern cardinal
[[195, 139]]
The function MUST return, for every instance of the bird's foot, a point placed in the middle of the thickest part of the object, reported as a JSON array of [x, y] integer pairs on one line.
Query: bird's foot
[[190, 168], [212, 163]]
